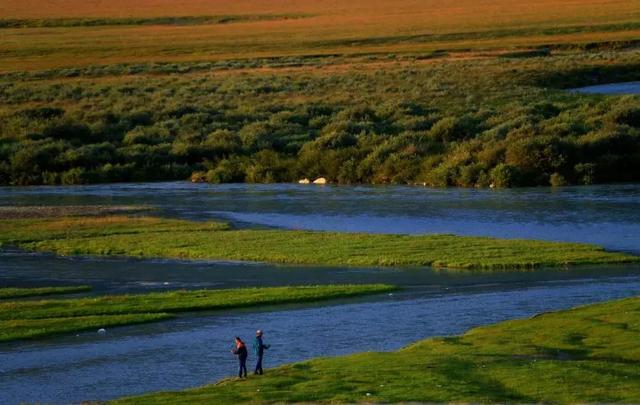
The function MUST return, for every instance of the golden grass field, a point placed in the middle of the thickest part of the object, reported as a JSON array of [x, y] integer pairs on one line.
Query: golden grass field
[[329, 26]]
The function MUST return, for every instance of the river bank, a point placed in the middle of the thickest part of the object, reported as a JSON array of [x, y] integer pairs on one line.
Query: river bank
[[586, 354], [192, 351]]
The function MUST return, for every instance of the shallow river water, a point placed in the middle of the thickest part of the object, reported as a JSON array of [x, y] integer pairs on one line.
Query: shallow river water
[[607, 215], [194, 349], [612, 88]]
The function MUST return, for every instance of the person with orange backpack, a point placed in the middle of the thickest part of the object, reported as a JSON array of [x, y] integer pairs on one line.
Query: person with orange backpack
[[242, 353]]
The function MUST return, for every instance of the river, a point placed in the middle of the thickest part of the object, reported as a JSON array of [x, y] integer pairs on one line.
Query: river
[[608, 215], [194, 349], [611, 88]]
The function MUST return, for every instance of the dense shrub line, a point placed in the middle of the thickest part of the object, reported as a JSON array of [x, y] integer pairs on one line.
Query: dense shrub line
[[476, 123]]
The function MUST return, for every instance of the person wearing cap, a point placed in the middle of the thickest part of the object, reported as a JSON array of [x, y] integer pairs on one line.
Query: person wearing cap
[[259, 348]]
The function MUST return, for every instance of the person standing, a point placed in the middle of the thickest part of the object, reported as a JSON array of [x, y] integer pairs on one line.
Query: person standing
[[259, 347], [242, 353]]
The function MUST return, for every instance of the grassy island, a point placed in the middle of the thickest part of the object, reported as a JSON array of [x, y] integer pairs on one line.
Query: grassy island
[[588, 354], [39, 318], [171, 238], [12, 292]]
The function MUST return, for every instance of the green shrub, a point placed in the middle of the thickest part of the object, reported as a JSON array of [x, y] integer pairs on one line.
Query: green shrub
[[504, 175], [77, 175], [557, 180], [227, 171]]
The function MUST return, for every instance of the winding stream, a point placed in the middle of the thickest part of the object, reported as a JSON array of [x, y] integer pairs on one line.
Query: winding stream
[[194, 349], [608, 215]]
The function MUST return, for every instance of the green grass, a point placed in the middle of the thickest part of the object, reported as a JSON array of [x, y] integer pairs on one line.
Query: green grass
[[170, 238], [588, 354], [12, 292], [21, 329], [32, 319]]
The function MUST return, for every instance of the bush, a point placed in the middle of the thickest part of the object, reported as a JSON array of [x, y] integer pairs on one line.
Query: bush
[[452, 129], [258, 136], [222, 143], [69, 130], [459, 124], [268, 167], [626, 114], [227, 171], [147, 136], [504, 175], [77, 175], [586, 173], [557, 180]]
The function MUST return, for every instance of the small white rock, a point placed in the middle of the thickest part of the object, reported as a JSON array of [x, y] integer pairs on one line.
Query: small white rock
[[368, 394]]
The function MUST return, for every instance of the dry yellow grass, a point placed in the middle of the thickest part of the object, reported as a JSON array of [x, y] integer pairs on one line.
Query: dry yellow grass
[[374, 25], [414, 13]]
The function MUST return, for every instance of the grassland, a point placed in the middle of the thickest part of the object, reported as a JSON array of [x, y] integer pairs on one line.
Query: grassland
[[26, 211], [102, 22], [584, 355], [170, 238], [27, 319], [330, 30], [465, 94], [13, 292]]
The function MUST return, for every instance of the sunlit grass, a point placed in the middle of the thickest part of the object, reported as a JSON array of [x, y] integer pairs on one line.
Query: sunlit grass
[[39, 318], [20, 329], [169, 238], [375, 26], [585, 355], [14, 292]]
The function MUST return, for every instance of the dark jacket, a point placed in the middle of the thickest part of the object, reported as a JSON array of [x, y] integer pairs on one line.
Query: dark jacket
[[258, 346], [241, 352]]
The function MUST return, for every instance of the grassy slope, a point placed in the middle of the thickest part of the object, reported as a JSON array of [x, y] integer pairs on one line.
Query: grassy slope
[[155, 237], [588, 354], [10, 292], [30, 319]]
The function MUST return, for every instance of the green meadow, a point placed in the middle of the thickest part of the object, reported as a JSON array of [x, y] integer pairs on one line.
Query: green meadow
[[171, 238], [584, 355], [11, 292], [26, 319]]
